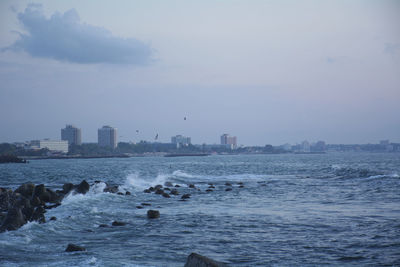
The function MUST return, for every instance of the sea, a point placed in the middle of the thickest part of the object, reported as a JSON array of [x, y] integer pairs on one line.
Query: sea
[[334, 209]]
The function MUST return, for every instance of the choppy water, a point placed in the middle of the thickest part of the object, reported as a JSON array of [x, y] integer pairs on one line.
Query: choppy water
[[331, 209]]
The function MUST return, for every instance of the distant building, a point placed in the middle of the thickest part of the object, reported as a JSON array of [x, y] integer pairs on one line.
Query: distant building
[[107, 136], [305, 146], [71, 134], [52, 145], [228, 140], [320, 146], [180, 140]]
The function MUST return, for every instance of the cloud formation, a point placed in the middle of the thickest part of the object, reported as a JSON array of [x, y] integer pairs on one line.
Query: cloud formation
[[63, 37]]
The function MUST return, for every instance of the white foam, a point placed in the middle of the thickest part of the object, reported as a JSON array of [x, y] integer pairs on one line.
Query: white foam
[[136, 182], [182, 174]]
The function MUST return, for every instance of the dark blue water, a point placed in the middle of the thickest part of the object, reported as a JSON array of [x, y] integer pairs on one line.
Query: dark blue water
[[307, 210]]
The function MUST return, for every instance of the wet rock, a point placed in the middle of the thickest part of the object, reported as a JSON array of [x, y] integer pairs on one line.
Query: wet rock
[[145, 204], [117, 223], [192, 186], [111, 189], [14, 220], [146, 191], [196, 260], [166, 195], [209, 190], [83, 187], [139, 207], [72, 248], [167, 189], [53, 197], [67, 188], [159, 191], [35, 201], [127, 193], [228, 184], [38, 215], [40, 192], [174, 192], [52, 206], [228, 189], [120, 193], [177, 185], [158, 187], [186, 196], [211, 186], [241, 186], [152, 189], [153, 214], [169, 184], [53, 218], [26, 190], [7, 199]]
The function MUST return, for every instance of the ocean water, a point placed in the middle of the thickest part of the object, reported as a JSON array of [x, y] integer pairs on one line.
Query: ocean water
[[340, 209]]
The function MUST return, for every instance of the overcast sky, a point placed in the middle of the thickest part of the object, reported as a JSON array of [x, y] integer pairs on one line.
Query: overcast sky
[[268, 72]]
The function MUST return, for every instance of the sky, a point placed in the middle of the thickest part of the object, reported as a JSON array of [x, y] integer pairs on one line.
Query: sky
[[268, 72]]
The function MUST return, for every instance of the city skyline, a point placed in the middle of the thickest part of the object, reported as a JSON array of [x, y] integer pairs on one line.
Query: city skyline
[[269, 72]]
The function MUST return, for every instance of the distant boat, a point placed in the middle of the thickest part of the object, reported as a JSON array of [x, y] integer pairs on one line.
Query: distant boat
[[186, 155]]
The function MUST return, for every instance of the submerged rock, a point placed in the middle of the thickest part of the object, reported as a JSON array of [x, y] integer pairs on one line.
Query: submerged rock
[[197, 260], [185, 196], [228, 189], [117, 223], [153, 214], [72, 248], [192, 186]]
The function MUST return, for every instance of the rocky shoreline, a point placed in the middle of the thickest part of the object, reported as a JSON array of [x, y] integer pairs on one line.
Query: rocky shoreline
[[29, 202]]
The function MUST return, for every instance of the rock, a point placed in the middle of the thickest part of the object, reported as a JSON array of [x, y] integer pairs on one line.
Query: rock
[[146, 191], [139, 207], [240, 183], [120, 193], [166, 195], [52, 206], [192, 186], [228, 184], [185, 196], [111, 189], [26, 190], [158, 187], [72, 248], [14, 220], [40, 192], [167, 189], [53, 196], [67, 188], [117, 223], [177, 185], [127, 193], [209, 190], [36, 202], [152, 189], [228, 189], [145, 204], [211, 186], [169, 184], [103, 225], [53, 218], [38, 215], [174, 192], [196, 260], [83, 187], [159, 191], [241, 186], [7, 199], [153, 214]]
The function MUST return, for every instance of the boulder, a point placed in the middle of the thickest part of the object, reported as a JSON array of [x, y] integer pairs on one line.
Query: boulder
[[146, 191], [82, 188], [166, 195], [25, 190], [40, 192], [152, 189], [117, 223], [14, 220], [196, 260], [185, 196], [38, 215], [177, 185], [209, 190], [174, 192], [72, 248], [53, 196], [127, 193], [7, 199], [111, 189], [53, 218], [145, 204], [192, 186], [67, 188], [228, 189], [139, 207], [228, 184], [153, 214], [159, 191]]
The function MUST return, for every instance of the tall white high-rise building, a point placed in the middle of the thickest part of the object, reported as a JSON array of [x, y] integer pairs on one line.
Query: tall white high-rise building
[[107, 136], [71, 134]]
